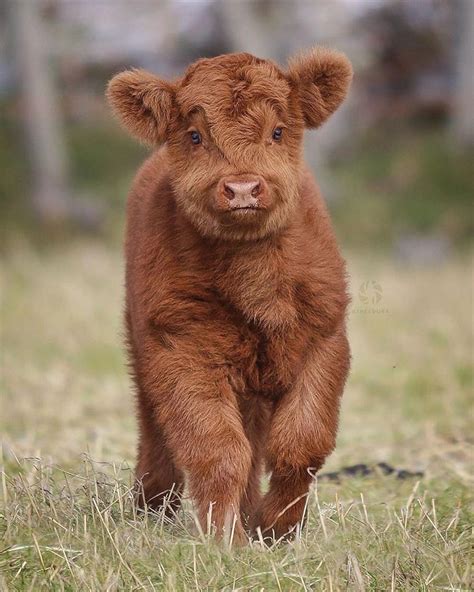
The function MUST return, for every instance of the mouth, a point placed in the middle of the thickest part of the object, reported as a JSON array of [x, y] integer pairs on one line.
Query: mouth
[[244, 212], [244, 208]]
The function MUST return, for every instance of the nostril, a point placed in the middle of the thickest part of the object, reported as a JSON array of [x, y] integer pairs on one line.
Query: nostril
[[228, 191], [256, 190]]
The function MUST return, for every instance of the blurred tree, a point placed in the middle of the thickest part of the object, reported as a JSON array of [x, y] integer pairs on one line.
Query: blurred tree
[[42, 117], [409, 74], [463, 120], [250, 26]]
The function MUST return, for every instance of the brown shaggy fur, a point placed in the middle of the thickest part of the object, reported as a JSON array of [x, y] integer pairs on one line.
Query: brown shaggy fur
[[235, 315]]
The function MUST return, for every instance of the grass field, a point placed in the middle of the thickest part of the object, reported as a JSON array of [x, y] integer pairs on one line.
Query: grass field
[[68, 431]]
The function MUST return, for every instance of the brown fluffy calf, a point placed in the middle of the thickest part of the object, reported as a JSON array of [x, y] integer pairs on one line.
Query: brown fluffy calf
[[236, 291]]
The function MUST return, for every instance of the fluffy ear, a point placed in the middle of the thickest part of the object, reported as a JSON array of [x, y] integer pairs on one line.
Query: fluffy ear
[[322, 77], [143, 104]]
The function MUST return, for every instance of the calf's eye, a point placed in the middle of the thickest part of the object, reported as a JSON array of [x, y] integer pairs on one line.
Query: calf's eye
[[195, 138], [277, 133]]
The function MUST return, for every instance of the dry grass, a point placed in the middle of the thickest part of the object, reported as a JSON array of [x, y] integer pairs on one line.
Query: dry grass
[[68, 431]]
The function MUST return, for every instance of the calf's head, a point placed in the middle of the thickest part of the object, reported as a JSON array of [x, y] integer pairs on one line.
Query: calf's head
[[233, 126]]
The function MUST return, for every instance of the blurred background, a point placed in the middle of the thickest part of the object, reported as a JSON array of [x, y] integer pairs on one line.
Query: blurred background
[[395, 166], [394, 163]]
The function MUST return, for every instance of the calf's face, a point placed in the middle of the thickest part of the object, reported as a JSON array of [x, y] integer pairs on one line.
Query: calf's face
[[233, 126]]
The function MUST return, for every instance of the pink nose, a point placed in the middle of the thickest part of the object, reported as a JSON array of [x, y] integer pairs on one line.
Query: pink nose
[[242, 190]]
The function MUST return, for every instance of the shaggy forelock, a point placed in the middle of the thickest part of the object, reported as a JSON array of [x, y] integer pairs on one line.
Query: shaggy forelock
[[237, 91]]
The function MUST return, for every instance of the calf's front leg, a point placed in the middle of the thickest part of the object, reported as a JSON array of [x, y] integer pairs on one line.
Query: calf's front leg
[[198, 413], [302, 434]]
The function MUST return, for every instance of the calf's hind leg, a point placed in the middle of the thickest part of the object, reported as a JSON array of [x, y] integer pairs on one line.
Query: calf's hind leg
[[256, 415], [159, 481]]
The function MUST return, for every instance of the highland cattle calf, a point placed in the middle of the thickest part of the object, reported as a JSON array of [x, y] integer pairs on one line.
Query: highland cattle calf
[[235, 288]]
